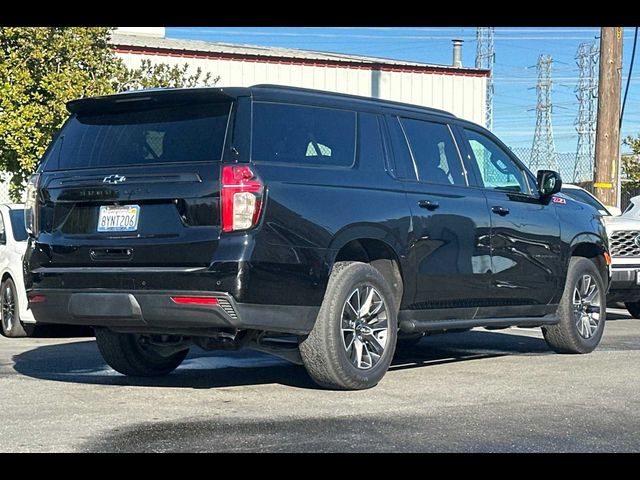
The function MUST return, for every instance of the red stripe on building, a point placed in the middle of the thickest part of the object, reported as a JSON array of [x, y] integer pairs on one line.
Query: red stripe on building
[[167, 52]]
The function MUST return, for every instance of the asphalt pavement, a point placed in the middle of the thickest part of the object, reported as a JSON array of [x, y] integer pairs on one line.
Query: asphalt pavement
[[479, 391]]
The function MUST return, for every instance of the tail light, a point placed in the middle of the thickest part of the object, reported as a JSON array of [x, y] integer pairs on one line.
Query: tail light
[[31, 205], [241, 198]]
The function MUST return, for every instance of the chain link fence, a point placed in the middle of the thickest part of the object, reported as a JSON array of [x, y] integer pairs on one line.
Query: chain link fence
[[566, 167], [5, 178]]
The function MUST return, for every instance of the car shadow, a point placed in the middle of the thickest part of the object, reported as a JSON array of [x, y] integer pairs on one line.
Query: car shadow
[[80, 362], [61, 331]]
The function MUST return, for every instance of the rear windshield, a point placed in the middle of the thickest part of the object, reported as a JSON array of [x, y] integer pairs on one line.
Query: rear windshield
[[176, 133]]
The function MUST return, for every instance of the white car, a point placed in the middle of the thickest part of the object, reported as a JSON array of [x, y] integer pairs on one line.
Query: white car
[[633, 210], [624, 245], [582, 195], [17, 319]]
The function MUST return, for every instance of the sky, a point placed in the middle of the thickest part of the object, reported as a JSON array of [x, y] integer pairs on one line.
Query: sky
[[517, 50]]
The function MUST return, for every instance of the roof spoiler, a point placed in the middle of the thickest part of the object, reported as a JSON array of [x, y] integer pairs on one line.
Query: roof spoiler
[[148, 98]]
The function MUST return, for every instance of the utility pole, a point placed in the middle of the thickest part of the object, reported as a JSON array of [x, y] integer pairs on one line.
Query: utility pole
[[607, 129], [544, 150], [586, 90], [485, 59]]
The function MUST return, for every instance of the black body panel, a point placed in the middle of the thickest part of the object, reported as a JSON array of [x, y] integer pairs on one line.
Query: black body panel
[[276, 272]]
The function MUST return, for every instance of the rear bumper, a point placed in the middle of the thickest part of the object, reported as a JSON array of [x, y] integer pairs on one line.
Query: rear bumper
[[624, 286], [155, 311]]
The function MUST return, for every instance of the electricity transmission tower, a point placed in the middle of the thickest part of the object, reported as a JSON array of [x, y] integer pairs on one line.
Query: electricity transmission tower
[[544, 152], [485, 59], [586, 92]]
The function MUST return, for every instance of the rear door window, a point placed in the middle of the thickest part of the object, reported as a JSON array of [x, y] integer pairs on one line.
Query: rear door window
[[176, 133], [434, 152], [303, 135]]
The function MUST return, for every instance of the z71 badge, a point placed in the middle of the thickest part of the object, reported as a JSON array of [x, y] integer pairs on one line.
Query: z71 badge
[[559, 200]]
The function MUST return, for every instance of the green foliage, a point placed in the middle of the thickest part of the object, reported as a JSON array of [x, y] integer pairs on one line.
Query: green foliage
[[150, 75], [41, 68], [631, 165]]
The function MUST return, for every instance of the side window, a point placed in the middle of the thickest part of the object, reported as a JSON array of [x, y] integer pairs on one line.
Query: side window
[[303, 135], [434, 152], [496, 168], [3, 233]]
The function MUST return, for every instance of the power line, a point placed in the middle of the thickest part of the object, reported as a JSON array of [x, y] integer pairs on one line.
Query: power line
[[626, 90]]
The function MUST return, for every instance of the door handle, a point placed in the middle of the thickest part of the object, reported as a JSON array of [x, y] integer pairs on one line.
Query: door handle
[[428, 204], [500, 210]]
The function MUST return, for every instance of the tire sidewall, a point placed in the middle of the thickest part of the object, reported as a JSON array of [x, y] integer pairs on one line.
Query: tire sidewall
[[358, 275], [8, 283]]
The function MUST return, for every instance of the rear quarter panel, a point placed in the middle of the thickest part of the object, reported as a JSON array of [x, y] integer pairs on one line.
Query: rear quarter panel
[[310, 213]]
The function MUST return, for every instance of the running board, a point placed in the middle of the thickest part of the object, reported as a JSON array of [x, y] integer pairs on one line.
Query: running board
[[415, 326]]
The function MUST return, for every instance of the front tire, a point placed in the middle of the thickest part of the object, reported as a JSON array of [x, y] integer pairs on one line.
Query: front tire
[[12, 327], [582, 310], [127, 354], [633, 308], [353, 341]]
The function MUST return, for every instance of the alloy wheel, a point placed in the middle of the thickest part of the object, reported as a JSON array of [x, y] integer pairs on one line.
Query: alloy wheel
[[586, 306], [364, 326]]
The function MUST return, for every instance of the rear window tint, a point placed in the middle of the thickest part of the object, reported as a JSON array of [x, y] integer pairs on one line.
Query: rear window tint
[[183, 133], [303, 135]]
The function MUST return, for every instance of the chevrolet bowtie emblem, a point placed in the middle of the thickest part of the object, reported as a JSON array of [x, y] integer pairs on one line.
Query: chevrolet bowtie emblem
[[113, 179]]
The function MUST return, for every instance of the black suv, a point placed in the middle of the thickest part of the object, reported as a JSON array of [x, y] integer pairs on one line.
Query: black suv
[[321, 227]]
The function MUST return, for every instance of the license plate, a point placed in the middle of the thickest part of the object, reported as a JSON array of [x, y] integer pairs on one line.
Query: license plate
[[118, 218]]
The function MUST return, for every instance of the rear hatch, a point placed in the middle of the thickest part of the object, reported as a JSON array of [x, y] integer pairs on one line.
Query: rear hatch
[[133, 180]]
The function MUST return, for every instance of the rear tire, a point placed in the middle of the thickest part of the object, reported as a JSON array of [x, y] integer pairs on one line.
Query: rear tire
[[354, 338], [633, 308], [12, 327], [582, 310], [126, 354]]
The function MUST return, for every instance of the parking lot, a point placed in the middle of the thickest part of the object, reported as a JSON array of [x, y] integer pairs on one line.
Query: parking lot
[[480, 391]]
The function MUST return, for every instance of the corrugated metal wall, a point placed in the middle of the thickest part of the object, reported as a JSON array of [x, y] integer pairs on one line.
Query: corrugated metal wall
[[462, 95]]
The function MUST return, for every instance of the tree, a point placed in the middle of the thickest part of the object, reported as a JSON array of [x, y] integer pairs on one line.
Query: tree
[[42, 68], [149, 75], [631, 165]]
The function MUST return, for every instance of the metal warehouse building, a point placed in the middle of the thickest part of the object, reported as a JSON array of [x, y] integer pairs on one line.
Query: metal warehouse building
[[455, 89]]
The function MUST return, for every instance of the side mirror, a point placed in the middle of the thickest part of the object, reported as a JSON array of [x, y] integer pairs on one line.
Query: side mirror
[[549, 182]]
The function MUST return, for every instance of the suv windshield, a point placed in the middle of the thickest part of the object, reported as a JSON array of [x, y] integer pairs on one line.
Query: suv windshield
[[175, 133]]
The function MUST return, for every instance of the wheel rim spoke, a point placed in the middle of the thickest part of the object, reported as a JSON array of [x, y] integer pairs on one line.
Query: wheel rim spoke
[[366, 306], [8, 309], [357, 349], [364, 326], [586, 306]]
